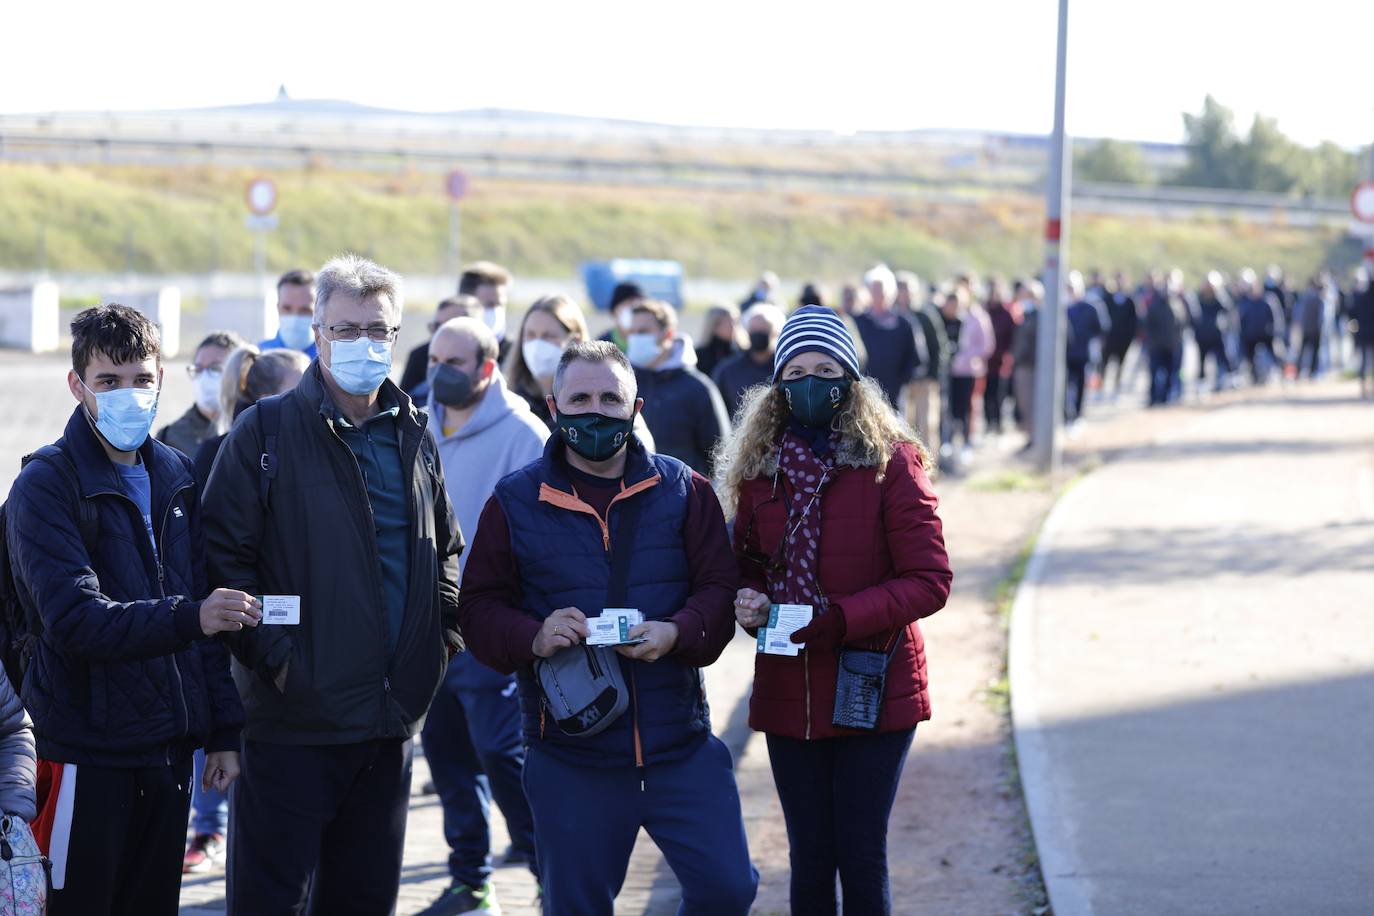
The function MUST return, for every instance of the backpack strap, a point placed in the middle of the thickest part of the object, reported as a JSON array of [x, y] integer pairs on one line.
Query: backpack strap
[[88, 518], [269, 423]]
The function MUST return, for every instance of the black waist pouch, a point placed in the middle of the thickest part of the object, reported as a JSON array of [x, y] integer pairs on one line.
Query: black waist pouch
[[860, 685]]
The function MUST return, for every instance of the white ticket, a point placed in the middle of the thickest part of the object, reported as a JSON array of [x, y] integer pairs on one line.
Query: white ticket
[[282, 609], [783, 620], [613, 627]]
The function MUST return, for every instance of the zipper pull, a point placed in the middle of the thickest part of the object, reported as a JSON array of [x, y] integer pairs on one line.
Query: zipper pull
[[641, 777], [386, 684]]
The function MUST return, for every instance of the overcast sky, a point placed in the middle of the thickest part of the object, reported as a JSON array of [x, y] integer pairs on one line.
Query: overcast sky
[[1133, 66]]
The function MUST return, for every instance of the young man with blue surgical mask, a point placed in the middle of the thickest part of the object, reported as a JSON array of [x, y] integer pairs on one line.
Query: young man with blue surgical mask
[[295, 314], [124, 681], [329, 501]]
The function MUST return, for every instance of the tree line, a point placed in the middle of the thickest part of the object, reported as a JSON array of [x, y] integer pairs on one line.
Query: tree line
[[1218, 156]]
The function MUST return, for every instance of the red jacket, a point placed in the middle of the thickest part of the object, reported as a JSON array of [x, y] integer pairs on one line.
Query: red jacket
[[883, 563]]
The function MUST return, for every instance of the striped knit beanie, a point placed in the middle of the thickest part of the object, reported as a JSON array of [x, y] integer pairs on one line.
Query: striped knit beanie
[[816, 329]]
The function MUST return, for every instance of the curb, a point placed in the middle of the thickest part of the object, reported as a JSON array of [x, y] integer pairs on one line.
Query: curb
[[1053, 834]]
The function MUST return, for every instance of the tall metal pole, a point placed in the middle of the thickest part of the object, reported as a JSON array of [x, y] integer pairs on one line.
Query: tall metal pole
[[1049, 344]]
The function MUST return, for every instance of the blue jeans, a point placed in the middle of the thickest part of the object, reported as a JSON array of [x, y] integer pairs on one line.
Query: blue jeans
[[209, 807], [475, 751], [836, 796], [587, 819]]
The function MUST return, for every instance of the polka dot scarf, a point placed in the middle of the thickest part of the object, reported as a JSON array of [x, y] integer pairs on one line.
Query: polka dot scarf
[[798, 581]]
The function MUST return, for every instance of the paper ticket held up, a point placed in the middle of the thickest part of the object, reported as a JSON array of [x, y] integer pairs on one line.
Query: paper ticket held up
[[775, 638], [281, 609]]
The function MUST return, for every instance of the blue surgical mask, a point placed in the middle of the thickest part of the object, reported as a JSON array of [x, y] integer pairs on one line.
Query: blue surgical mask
[[359, 366], [296, 331], [642, 349], [125, 415]]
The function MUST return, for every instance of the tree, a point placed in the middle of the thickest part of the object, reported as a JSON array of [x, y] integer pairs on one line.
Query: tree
[[1111, 161], [1212, 146]]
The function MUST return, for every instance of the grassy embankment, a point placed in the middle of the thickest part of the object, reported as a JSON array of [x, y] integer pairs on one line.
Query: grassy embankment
[[77, 218]]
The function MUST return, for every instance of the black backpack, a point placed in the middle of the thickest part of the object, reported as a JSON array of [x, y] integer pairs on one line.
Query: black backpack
[[19, 630]]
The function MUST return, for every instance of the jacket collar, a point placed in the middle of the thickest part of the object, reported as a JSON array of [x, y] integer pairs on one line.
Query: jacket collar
[[313, 393], [553, 471], [97, 472]]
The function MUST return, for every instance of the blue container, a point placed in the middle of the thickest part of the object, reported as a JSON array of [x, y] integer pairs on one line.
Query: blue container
[[659, 279]]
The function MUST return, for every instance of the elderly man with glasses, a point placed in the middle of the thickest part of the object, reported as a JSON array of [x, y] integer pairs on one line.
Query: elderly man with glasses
[[329, 501]]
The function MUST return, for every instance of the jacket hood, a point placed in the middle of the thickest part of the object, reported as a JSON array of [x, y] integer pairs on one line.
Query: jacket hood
[[498, 402]]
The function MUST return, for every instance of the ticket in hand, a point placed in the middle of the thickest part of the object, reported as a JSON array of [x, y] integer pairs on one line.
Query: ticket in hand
[[775, 638], [283, 609], [613, 627]]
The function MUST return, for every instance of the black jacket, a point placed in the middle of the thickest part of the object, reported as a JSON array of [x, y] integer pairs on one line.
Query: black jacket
[[685, 414], [123, 676], [316, 539], [737, 374]]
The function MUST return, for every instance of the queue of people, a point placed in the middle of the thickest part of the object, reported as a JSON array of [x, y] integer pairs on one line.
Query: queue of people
[[274, 593]]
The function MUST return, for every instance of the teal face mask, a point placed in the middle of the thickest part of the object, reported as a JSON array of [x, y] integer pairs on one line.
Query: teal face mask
[[816, 401], [594, 436]]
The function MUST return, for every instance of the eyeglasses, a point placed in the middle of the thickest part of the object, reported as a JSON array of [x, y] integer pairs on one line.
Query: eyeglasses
[[376, 333], [197, 371]]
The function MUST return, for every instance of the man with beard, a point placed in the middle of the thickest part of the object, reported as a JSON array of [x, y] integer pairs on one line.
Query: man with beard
[[472, 736]]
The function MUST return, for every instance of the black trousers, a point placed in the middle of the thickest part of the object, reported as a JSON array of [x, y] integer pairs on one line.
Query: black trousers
[[127, 838], [837, 795], [322, 825], [1075, 386]]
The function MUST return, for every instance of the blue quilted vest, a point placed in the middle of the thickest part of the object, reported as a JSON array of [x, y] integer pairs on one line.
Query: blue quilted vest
[[563, 555]]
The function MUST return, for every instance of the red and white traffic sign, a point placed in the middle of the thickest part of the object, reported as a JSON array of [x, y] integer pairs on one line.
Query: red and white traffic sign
[[261, 196], [1362, 202], [456, 184]]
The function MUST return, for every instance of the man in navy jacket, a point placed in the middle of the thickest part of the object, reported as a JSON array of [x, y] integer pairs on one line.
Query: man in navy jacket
[[541, 565], [124, 681]]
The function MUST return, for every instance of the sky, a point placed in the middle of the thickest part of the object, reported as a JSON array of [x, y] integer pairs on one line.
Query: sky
[[1134, 67]]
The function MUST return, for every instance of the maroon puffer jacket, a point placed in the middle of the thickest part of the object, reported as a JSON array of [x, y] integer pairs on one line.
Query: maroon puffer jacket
[[883, 562]]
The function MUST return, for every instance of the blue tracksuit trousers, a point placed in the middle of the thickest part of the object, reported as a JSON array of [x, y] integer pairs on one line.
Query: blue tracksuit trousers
[[586, 820]]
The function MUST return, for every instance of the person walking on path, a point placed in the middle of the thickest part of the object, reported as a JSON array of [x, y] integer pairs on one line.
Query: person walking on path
[[472, 734], [1023, 345], [1362, 316], [1214, 322], [888, 337], [724, 338], [330, 500], [187, 432], [125, 678], [1125, 326], [1086, 322], [753, 366], [295, 314], [921, 403], [553, 549], [970, 334], [249, 376], [1309, 317], [1165, 319], [998, 378], [817, 458], [682, 408], [1261, 324]]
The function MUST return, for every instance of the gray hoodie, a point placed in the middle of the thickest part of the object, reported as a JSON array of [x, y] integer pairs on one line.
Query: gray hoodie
[[501, 436]]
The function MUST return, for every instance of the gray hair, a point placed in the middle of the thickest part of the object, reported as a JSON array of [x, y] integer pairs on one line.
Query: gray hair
[[487, 345], [355, 274], [593, 351], [768, 312], [882, 275]]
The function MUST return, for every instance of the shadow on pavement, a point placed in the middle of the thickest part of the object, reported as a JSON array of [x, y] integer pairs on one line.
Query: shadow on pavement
[[1258, 802]]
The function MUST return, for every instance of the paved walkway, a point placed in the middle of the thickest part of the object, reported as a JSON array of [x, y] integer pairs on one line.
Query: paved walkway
[[1193, 666]]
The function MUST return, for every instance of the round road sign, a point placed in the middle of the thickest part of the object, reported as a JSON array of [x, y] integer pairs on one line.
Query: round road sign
[[1362, 202], [456, 184], [262, 196]]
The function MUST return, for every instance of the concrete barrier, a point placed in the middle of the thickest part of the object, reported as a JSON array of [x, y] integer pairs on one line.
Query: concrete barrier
[[163, 306], [28, 318], [253, 319]]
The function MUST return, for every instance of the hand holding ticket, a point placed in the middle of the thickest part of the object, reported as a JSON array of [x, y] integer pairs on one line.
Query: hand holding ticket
[[282, 609], [613, 627], [775, 637]]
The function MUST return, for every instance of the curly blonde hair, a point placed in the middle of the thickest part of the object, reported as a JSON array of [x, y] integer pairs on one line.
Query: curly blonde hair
[[868, 426]]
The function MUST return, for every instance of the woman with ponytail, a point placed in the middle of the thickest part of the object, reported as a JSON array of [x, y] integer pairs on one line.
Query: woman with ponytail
[[834, 513]]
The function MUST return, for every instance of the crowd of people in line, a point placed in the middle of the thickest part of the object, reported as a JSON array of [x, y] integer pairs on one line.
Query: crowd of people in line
[[314, 564]]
